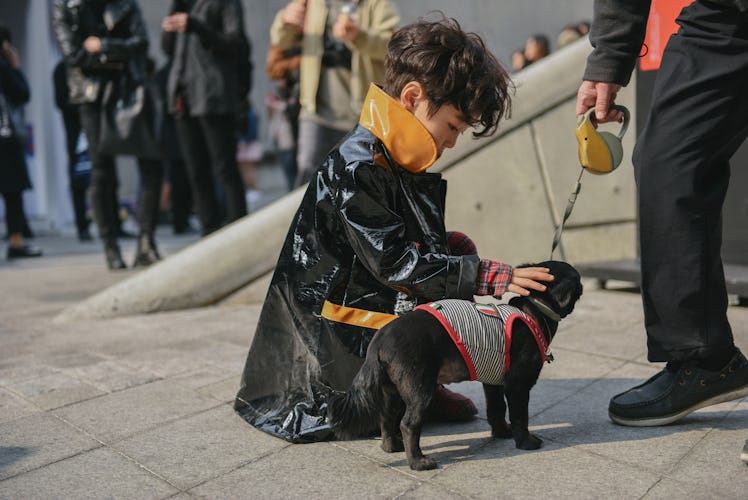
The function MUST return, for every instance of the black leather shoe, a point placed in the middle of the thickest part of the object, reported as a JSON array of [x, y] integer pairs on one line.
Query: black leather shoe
[[23, 251], [674, 393], [114, 257]]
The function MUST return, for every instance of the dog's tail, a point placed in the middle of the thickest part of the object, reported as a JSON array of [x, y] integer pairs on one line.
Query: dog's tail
[[356, 412]]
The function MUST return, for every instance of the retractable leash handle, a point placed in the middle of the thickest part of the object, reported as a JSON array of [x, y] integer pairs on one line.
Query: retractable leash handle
[[599, 153]]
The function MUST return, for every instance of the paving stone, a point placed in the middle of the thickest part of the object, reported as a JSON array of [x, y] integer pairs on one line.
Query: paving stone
[[501, 471], [101, 473], [715, 461], [110, 375], [297, 472], [37, 440], [124, 413], [13, 407], [54, 391], [192, 450], [224, 390]]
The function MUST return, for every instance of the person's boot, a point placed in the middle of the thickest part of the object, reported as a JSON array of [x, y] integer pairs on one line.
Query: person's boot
[[448, 406], [146, 252], [113, 256]]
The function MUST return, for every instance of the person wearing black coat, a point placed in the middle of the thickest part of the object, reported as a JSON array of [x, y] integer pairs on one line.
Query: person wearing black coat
[[72, 123], [100, 39], [205, 39], [696, 122], [14, 176]]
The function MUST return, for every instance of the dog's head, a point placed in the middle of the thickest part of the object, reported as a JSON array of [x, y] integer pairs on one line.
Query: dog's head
[[563, 292]]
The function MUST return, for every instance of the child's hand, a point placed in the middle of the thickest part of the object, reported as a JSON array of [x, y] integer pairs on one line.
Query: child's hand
[[525, 279]]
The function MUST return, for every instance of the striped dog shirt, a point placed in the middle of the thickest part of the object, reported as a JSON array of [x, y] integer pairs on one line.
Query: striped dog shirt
[[483, 334]]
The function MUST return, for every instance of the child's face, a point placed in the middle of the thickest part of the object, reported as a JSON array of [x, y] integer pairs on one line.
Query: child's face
[[445, 126]]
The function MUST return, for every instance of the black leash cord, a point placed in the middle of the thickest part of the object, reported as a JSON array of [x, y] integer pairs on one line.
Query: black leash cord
[[567, 212]]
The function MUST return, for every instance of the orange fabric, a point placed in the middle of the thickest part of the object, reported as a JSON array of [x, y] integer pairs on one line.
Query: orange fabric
[[406, 139], [660, 25], [355, 317]]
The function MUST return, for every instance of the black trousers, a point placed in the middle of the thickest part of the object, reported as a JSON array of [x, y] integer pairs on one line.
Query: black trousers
[[104, 182], [78, 187], [208, 145], [698, 118], [15, 218]]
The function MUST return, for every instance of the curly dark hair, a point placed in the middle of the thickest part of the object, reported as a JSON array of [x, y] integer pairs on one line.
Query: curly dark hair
[[453, 67]]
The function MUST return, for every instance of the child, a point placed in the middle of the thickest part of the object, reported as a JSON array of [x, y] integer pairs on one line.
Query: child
[[368, 242]]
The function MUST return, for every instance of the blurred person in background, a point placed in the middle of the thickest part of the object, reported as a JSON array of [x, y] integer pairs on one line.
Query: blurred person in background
[[343, 44], [100, 40], [75, 143], [14, 176], [206, 93], [537, 47], [283, 106]]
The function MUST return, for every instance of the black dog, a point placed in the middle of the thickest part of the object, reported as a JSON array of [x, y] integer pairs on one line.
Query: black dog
[[408, 358]]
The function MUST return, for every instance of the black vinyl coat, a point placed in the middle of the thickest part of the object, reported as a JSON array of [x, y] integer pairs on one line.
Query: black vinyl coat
[[369, 235]]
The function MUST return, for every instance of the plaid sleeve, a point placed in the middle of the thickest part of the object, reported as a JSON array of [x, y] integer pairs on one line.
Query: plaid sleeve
[[460, 244], [493, 278]]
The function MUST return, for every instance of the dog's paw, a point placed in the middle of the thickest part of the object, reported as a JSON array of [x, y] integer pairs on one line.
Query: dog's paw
[[393, 445], [530, 442], [424, 463], [501, 431]]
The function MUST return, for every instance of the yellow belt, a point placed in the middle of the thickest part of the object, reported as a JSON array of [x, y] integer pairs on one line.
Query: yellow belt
[[355, 317]]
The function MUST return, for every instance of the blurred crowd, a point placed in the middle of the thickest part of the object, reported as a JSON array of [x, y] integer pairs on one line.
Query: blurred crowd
[[197, 138]]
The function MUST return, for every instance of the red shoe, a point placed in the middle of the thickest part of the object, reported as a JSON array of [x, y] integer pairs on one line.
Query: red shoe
[[449, 406]]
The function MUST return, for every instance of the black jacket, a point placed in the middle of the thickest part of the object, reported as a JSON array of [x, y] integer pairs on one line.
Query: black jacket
[[367, 244], [124, 43], [207, 57], [14, 175]]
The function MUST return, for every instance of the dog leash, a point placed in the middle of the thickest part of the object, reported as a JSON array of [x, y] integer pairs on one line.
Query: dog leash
[[599, 153], [567, 213]]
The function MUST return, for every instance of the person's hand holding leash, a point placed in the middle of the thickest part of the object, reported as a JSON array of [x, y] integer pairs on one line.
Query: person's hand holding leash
[[601, 96]]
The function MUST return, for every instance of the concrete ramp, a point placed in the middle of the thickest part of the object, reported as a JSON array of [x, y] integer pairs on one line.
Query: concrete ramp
[[507, 192]]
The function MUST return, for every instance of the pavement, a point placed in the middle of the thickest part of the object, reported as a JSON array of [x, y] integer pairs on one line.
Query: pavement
[[140, 407]]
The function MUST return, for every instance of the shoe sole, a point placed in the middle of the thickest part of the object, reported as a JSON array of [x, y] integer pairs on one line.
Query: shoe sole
[[669, 419]]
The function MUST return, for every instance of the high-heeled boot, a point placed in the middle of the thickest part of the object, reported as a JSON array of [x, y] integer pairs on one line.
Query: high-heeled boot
[[146, 252], [113, 256]]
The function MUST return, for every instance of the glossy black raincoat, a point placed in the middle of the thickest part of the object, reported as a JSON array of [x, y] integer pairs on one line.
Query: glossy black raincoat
[[367, 244]]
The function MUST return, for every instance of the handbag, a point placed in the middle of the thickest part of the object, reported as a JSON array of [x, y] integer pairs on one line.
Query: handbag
[[130, 120], [12, 120]]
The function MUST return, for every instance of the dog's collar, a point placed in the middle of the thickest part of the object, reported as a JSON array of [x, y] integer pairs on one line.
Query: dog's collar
[[544, 308]]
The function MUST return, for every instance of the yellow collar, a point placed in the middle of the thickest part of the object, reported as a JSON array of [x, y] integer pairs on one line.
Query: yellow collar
[[404, 136]]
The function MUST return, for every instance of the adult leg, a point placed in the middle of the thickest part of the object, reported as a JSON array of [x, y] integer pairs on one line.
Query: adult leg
[[78, 184], [14, 220], [697, 120], [181, 196], [315, 141], [220, 137], [197, 161], [151, 178], [103, 184]]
